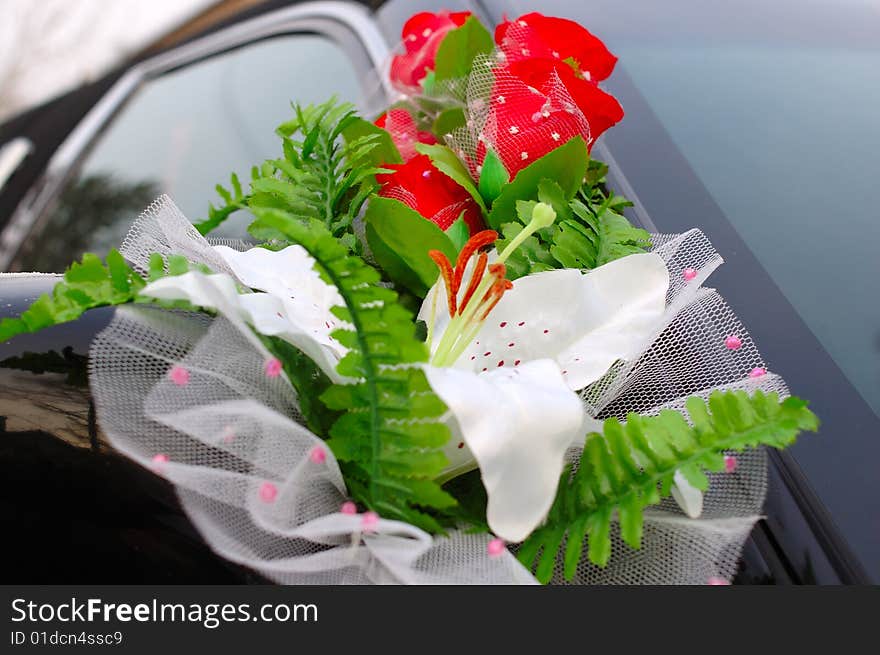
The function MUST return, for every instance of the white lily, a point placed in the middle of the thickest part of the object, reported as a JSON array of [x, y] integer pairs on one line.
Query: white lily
[[292, 301], [514, 362], [584, 322], [516, 424]]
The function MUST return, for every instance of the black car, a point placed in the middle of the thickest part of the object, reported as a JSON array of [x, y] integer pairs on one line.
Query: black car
[[753, 122]]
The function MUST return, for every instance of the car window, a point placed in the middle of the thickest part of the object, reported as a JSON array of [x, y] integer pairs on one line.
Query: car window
[[184, 132], [775, 108]]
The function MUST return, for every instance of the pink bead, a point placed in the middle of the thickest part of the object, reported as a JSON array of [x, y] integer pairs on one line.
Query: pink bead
[[318, 455], [160, 458], [689, 274], [757, 372], [369, 521], [268, 492], [717, 582], [733, 342], [495, 547], [273, 368], [179, 376], [729, 463], [349, 508]]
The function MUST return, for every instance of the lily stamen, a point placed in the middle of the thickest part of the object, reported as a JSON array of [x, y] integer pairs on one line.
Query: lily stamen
[[485, 289]]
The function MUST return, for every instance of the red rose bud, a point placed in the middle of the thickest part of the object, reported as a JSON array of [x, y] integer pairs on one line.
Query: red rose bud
[[437, 197], [422, 35], [403, 130], [601, 109], [538, 105], [544, 37]]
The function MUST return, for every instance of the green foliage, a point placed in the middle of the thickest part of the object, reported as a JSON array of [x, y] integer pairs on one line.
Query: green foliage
[[449, 164], [389, 436], [458, 232], [493, 177], [590, 229], [384, 152], [448, 120], [318, 177], [630, 467], [88, 284], [566, 166], [308, 380], [457, 50], [408, 236]]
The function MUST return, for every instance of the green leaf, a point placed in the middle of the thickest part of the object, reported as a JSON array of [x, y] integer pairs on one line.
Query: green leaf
[[409, 235], [565, 165], [384, 152], [449, 164], [448, 120], [389, 433], [318, 177], [86, 285], [455, 55], [458, 233], [308, 380], [397, 270], [493, 177], [629, 467]]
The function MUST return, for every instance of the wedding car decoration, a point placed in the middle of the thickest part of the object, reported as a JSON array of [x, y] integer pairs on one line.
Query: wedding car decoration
[[445, 355]]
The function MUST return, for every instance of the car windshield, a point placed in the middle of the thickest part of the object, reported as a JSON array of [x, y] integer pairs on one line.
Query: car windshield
[[184, 132]]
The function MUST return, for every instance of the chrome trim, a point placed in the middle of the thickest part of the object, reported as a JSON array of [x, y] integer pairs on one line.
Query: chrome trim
[[355, 18], [12, 154]]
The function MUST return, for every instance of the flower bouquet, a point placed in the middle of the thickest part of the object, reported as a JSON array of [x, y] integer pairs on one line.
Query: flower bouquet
[[445, 355]]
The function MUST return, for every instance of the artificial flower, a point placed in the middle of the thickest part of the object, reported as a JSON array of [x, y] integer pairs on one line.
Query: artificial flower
[[404, 132], [422, 35], [583, 321], [537, 105], [516, 424], [436, 196], [292, 301], [507, 359], [601, 109], [535, 36]]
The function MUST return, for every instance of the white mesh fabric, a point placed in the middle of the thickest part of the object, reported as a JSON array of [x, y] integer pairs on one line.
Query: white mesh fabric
[[512, 118], [231, 429]]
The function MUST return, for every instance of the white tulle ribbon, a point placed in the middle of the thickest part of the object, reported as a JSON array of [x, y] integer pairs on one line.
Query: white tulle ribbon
[[231, 429]]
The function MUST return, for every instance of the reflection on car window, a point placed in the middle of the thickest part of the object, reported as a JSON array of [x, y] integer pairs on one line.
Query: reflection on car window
[[183, 133]]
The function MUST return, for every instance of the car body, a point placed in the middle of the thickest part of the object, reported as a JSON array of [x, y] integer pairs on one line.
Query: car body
[[81, 512]]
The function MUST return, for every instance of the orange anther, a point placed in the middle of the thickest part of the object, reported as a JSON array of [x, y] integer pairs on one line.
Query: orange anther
[[476, 276], [447, 273]]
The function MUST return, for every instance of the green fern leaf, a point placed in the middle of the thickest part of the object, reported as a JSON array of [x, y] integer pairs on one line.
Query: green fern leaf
[[629, 467], [388, 435], [317, 178], [88, 284]]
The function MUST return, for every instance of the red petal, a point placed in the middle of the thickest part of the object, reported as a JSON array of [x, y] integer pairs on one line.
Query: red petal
[[422, 35], [555, 38]]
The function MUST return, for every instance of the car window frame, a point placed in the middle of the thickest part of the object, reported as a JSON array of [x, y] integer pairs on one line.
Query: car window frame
[[351, 26]]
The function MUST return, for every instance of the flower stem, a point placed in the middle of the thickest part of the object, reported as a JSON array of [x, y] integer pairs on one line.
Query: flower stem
[[462, 328]]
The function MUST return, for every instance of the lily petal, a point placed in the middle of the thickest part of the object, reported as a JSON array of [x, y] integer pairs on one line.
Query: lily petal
[[585, 322], [517, 424], [277, 272], [688, 497], [267, 313]]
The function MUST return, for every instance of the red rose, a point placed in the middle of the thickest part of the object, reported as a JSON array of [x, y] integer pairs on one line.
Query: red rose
[[434, 195], [422, 35], [545, 37], [403, 130], [536, 106], [599, 108]]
